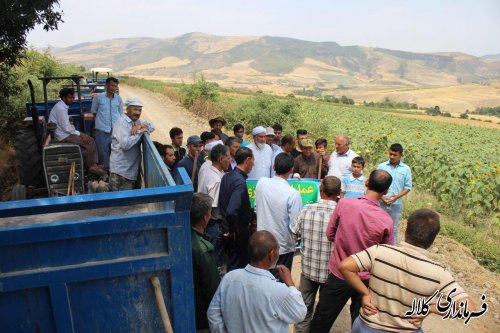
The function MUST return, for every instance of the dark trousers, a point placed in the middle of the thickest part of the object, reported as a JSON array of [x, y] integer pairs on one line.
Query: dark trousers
[[332, 298], [285, 260], [215, 234], [308, 289], [237, 250]]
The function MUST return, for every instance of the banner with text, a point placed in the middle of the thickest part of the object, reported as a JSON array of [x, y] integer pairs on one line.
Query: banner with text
[[308, 189]]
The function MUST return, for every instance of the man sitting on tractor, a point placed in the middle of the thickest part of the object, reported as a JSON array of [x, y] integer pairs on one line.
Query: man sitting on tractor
[[66, 133]]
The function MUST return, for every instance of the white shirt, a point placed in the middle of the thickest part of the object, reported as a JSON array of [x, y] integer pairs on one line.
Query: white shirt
[[59, 116], [263, 161], [125, 150], [250, 300], [209, 180], [339, 165], [277, 205]]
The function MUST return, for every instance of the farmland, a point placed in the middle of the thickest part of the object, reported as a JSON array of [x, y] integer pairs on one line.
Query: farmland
[[458, 165]]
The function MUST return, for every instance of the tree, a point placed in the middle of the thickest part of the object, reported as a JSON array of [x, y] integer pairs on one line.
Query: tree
[[18, 18]]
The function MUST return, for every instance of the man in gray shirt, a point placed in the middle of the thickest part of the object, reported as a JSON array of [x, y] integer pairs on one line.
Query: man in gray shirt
[[125, 146]]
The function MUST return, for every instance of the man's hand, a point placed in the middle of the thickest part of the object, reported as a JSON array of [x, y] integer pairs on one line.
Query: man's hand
[[85, 138], [387, 200], [416, 320], [285, 275], [135, 129], [366, 303]]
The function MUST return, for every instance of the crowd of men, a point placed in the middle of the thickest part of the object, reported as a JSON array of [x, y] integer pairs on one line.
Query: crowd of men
[[243, 255]]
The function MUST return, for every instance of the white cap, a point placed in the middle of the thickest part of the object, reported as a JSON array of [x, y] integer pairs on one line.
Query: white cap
[[209, 146], [270, 131], [258, 130], [133, 101]]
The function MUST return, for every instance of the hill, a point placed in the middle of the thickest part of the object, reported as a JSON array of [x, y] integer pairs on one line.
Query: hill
[[281, 65]]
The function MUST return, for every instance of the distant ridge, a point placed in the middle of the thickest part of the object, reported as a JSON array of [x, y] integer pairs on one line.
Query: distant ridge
[[288, 62]]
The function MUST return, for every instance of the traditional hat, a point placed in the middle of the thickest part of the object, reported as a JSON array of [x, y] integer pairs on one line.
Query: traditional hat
[[258, 130], [133, 101], [211, 122]]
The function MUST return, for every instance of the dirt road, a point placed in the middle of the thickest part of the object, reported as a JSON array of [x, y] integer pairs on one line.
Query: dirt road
[[164, 114], [473, 277]]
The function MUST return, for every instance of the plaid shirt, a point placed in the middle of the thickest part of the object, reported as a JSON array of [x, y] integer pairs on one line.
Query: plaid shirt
[[316, 248]]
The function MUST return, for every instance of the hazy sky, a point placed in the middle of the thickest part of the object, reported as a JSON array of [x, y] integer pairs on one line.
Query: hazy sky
[[421, 25]]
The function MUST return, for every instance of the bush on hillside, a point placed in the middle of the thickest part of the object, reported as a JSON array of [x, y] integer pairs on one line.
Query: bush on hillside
[[200, 89]]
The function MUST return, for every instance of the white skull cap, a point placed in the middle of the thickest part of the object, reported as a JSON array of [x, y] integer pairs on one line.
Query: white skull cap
[[133, 101]]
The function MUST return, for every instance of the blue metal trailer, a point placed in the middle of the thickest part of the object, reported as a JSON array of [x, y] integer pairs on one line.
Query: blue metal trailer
[[89, 268]]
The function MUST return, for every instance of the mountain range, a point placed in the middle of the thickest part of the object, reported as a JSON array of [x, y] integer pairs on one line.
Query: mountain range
[[285, 63]]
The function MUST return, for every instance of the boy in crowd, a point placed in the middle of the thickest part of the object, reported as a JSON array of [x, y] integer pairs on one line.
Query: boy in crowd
[[353, 186], [176, 135], [322, 149], [239, 132]]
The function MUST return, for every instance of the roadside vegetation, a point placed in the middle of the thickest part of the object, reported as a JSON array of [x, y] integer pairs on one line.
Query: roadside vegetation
[[456, 169], [33, 65]]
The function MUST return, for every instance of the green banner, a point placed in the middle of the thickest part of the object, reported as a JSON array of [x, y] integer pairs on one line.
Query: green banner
[[308, 189]]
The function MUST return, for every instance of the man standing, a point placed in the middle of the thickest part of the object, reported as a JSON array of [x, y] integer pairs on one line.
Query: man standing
[[288, 143], [176, 135], [205, 276], [277, 205], [399, 276], [234, 204], [209, 183], [263, 154], [270, 138], [194, 145], [216, 125], [233, 143], [251, 300], [278, 129], [316, 248], [66, 133], [107, 108], [169, 158], [356, 224], [401, 185], [125, 148], [307, 163], [301, 135], [340, 161]]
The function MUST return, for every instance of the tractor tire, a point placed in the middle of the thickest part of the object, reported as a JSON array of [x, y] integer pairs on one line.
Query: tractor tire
[[29, 159], [19, 192]]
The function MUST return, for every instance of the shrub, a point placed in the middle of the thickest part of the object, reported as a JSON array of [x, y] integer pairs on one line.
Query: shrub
[[201, 89]]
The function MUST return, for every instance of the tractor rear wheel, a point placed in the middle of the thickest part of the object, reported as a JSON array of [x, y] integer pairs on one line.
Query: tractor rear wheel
[[29, 159]]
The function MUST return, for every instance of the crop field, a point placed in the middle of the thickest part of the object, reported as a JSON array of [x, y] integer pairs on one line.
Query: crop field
[[460, 165], [456, 165]]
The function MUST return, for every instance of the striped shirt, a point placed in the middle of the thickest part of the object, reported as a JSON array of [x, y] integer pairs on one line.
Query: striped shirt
[[316, 248], [353, 187], [398, 275]]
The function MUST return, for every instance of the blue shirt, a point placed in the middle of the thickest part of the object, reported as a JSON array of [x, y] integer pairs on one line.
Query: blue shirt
[[187, 163], [353, 187], [125, 148], [277, 205], [244, 143], [401, 178], [251, 300], [107, 111]]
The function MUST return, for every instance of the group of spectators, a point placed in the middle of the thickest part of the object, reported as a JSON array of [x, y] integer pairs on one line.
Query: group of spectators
[[243, 256]]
